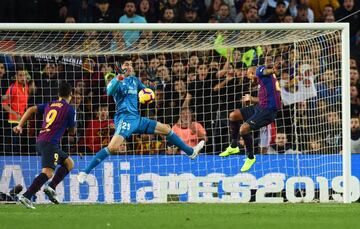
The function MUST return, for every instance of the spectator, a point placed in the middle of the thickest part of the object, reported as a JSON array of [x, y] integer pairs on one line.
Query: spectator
[[302, 15], [306, 14], [147, 11], [77, 101], [15, 102], [329, 19], [70, 19], [190, 131], [131, 37], [103, 12], [355, 134], [251, 16], [318, 7], [327, 11], [4, 84], [355, 100], [178, 71], [190, 16], [354, 76], [348, 7], [47, 83], [212, 9], [281, 145], [333, 133], [149, 144], [98, 130], [279, 14], [168, 16], [288, 19], [267, 8], [224, 14]]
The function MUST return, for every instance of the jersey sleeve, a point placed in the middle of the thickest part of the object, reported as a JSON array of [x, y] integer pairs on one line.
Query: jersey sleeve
[[41, 108], [260, 71], [72, 118]]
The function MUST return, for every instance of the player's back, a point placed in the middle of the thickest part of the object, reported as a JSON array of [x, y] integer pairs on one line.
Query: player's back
[[269, 92], [57, 116]]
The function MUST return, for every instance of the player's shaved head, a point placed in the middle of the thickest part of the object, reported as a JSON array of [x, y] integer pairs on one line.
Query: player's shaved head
[[251, 72]]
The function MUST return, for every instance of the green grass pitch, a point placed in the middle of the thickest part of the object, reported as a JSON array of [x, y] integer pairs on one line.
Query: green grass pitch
[[220, 216]]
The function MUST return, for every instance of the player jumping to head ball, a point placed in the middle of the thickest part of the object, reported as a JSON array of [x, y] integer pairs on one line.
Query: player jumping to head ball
[[124, 88], [255, 116]]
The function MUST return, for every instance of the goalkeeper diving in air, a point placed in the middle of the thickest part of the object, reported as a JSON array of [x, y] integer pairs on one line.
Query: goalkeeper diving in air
[[124, 89], [255, 116]]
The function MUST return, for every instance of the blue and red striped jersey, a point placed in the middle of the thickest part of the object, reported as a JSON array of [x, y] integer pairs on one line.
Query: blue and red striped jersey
[[269, 92], [58, 115]]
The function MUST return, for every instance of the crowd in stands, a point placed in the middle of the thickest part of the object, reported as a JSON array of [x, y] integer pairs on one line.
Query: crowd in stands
[[195, 90]]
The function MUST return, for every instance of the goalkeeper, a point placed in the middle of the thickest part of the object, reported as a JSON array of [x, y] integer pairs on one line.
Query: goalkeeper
[[124, 89], [255, 116]]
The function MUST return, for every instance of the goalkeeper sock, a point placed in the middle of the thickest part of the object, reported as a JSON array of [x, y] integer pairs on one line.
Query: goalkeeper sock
[[99, 157], [234, 129], [39, 181], [174, 139], [249, 145], [58, 177]]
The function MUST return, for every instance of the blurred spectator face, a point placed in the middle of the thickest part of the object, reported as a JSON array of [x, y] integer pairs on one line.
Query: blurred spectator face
[[172, 2], [329, 18], [186, 117], [355, 124], [303, 14], [180, 86], [348, 4], [216, 5], [154, 63], [191, 77], [163, 72], [178, 68], [105, 68], [315, 144], [353, 92], [333, 118], [144, 6], [50, 69], [76, 99], [143, 44], [103, 6], [194, 60], [280, 9], [281, 139], [252, 15], [103, 113], [224, 11], [2, 70], [214, 65], [328, 76], [354, 76], [202, 71], [70, 19], [328, 10], [237, 55], [353, 64], [80, 87], [162, 59], [288, 19], [304, 2], [21, 77], [190, 15], [130, 9], [139, 64], [169, 15]]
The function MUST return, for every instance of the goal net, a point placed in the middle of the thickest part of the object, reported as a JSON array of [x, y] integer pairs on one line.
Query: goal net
[[201, 77]]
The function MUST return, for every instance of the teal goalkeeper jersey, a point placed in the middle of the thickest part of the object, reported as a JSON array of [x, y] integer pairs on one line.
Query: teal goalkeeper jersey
[[125, 94]]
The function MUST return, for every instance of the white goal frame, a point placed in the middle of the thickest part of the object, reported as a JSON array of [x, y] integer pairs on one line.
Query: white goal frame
[[345, 49]]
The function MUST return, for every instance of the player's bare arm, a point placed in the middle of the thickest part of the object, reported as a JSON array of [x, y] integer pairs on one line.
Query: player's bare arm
[[29, 112]]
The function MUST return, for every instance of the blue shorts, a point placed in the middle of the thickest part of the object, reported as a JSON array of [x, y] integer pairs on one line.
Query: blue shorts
[[258, 117], [51, 154], [128, 124]]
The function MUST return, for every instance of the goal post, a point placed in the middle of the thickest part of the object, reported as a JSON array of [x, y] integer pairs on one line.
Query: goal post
[[83, 50]]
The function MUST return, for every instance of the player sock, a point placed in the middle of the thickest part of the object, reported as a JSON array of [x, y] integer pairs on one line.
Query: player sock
[[58, 177], [234, 129], [36, 185], [99, 157], [174, 139], [249, 145]]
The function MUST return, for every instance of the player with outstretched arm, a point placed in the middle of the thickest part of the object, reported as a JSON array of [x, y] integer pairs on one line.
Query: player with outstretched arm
[[58, 115], [124, 88], [255, 116]]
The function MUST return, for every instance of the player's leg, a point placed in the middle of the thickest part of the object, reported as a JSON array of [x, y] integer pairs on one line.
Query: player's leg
[[49, 160], [235, 119], [153, 127], [67, 165]]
